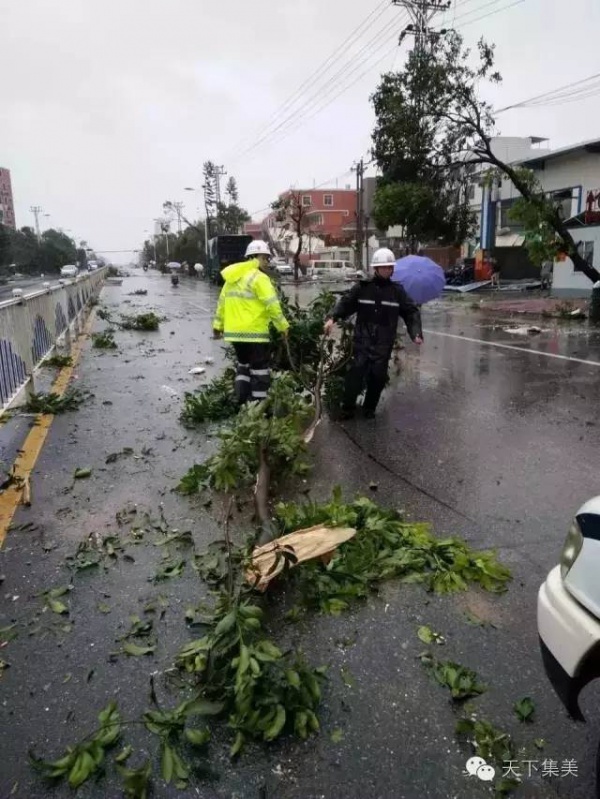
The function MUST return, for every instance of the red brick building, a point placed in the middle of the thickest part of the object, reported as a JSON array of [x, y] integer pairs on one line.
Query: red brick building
[[7, 206], [330, 214]]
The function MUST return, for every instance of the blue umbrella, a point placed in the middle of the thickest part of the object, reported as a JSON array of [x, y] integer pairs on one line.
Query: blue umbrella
[[422, 279]]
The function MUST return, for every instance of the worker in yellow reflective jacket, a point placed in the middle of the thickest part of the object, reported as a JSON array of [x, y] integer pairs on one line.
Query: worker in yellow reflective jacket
[[247, 306]]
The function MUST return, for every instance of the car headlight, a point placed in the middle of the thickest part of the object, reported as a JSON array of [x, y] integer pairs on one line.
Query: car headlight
[[571, 549]]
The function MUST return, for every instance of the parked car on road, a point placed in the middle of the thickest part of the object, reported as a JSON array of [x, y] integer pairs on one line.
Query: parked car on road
[[332, 270], [282, 267], [568, 614], [70, 270]]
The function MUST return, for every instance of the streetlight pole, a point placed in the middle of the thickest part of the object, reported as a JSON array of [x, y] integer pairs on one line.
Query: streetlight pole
[[36, 210], [191, 188]]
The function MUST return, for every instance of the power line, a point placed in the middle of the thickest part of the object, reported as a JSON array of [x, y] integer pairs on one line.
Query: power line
[[315, 188], [548, 95], [489, 14], [317, 96], [325, 67], [329, 86], [481, 8], [327, 103], [289, 124]]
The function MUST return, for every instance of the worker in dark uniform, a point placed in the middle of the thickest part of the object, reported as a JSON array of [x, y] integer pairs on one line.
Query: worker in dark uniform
[[378, 303]]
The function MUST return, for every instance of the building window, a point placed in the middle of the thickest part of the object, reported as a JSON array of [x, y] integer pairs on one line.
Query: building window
[[306, 200], [315, 219], [328, 200], [471, 191], [586, 250]]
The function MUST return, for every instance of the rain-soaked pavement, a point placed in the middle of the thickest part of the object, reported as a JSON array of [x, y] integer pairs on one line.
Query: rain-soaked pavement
[[488, 434]]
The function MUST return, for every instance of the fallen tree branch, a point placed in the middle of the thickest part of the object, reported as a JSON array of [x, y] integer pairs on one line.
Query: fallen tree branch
[[261, 497], [310, 431]]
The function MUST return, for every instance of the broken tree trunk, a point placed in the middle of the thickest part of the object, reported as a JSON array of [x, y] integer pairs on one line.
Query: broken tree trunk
[[261, 498]]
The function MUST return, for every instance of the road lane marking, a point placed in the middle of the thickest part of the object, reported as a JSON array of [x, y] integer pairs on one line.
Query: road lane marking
[[25, 461], [513, 347]]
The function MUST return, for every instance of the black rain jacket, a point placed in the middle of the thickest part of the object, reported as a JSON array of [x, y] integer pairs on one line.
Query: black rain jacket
[[378, 304]]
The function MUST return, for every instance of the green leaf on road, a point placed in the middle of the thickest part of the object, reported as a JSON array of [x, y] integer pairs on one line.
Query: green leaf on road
[[82, 474], [8, 633], [56, 606], [197, 737], [525, 709], [428, 636], [60, 591], [539, 743], [337, 735], [136, 782], [169, 571], [462, 682], [347, 677], [197, 706], [124, 754], [237, 745], [137, 651]]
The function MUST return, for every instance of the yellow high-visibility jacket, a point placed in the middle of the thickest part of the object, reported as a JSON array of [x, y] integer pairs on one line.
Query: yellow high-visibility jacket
[[247, 304]]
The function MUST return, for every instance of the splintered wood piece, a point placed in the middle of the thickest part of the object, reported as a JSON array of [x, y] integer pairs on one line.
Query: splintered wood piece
[[315, 542]]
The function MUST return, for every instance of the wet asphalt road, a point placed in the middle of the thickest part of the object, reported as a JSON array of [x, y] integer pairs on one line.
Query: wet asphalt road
[[495, 444], [28, 285]]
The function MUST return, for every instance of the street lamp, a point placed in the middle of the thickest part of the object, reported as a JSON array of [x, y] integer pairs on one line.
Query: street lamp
[[191, 188]]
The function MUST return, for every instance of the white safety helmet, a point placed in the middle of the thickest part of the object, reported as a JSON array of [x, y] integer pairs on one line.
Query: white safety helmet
[[383, 257], [258, 248]]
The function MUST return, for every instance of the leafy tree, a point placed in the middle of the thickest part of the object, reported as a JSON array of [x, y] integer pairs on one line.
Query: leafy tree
[[56, 250], [423, 188], [5, 245], [190, 245], [25, 250], [541, 240], [232, 191], [32, 256], [209, 172], [434, 129], [231, 217], [295, 218]]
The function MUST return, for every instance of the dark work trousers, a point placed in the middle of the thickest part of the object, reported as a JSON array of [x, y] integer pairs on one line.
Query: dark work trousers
[[253, 376], [369, 370]]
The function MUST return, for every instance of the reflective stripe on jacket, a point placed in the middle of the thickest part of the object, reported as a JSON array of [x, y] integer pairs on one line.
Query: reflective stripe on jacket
[[378, 305], [248, 304]]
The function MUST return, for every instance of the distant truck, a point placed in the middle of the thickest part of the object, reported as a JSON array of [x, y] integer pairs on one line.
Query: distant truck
[[223, 251]]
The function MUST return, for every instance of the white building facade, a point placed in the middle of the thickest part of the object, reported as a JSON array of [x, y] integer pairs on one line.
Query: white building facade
[[571, 175], [567, 280]]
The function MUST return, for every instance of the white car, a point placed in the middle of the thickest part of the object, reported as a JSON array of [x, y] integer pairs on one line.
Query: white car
[[283, 268], [332, 270], [569, 611], [69, 271]]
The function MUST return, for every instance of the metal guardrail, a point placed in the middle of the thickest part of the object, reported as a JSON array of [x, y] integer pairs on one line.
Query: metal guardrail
[[33, 324]]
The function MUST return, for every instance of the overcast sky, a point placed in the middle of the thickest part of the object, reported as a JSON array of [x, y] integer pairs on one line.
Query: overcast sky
[[109, 108]]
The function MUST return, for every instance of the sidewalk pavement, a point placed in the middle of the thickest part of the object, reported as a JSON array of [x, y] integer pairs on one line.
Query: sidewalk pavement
[[530, 306]]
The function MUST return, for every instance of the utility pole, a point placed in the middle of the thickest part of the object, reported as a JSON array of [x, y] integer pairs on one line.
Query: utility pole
[[36, 210], [178, 207], [359, 168], [220, 172], [422, 12]]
